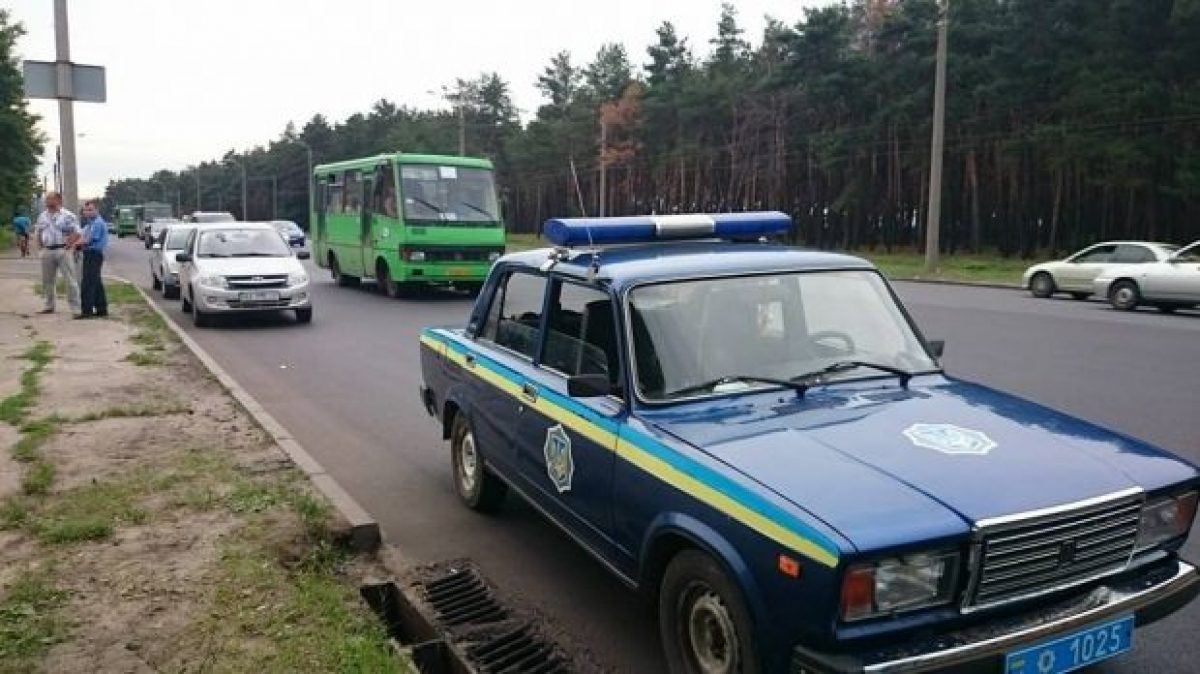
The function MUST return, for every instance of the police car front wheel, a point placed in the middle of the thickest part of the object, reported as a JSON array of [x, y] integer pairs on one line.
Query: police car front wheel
[[478, 488], [703, 620]]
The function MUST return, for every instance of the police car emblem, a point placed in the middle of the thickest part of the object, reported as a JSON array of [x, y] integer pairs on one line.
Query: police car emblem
[[949, 439], [560, 466]]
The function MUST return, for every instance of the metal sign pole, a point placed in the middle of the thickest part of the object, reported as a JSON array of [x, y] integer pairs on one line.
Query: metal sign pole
[[66, 109]]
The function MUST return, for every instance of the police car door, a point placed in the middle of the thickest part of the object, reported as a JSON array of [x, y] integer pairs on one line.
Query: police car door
[[566, 446]]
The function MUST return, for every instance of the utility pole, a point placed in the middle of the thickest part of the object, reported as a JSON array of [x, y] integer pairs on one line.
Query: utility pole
[[603, 169], [245, 209], [66, 106], [275, 197], [308, 180], [198, 206], [934, 216], [462, 129]]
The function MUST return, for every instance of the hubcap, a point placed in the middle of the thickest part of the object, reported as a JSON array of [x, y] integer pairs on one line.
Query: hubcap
[[711, 635], [1043, 284], [1124, 295], [468, 463]]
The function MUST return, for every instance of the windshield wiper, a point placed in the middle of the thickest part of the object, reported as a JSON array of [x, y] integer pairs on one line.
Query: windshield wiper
[[429, 205], [478, 209], [733, 378], [844, 365]]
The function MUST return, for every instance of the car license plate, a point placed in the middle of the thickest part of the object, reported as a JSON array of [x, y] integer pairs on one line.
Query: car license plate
[[259, 296], [458, 271], [1074, 651]]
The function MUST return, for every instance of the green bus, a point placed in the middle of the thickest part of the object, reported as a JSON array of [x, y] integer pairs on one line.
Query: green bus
[[131, 219], [406, 220]]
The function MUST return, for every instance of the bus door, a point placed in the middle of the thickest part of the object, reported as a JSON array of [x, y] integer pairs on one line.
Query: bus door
[[366, 235]]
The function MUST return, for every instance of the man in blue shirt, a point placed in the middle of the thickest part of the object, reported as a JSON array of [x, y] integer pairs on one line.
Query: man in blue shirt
[[21, 226], [92, 299]]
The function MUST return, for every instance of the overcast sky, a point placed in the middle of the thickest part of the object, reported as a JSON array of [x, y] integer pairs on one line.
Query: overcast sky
[[188, 80]]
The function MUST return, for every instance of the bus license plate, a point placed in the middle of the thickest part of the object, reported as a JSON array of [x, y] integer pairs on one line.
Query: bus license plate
[[1074, 651], [259, 296], [458, 271]]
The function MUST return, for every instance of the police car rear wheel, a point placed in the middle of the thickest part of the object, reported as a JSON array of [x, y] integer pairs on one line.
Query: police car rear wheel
[[703, 621], [476, 486]]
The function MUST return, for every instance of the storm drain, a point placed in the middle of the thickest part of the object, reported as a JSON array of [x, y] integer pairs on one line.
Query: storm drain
[[518, 650], [462, 598]]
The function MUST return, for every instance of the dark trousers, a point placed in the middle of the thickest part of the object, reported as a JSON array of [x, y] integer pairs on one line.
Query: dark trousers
[[91, 292]]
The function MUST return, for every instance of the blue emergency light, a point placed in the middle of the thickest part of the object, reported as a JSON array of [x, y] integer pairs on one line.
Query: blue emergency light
[[650, 228]]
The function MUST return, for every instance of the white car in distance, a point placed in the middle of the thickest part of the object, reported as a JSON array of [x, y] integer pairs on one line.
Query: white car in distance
[[1170, 284], [164, 270], [1074, 274], [241, 267]]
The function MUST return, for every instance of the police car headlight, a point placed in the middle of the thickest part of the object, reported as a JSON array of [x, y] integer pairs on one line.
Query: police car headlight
[[212, 281], [898, 584], [1165, 519]]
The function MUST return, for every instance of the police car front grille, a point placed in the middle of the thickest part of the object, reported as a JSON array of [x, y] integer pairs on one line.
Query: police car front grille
[[1025, 558]]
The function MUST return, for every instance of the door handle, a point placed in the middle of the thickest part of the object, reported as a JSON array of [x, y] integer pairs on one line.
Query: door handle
[[529, 391]]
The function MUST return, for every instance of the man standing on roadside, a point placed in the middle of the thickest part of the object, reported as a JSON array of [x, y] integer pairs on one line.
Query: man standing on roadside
[[94, 241], [57, 227]]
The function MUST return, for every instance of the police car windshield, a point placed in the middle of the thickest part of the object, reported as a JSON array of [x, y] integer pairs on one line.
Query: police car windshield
[[729, 331]]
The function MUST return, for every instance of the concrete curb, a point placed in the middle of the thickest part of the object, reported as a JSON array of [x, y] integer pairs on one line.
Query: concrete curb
[[965, 284], [364, 530]]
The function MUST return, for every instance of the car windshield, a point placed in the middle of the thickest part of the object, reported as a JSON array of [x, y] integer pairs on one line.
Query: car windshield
[[716, 335], [176, 238], [241, 243], [448, 195]]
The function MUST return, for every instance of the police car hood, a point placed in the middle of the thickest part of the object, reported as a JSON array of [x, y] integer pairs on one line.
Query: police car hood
[[885, 465]]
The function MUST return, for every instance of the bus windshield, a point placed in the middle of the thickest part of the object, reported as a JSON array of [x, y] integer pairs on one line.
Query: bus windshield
[[447, 195]]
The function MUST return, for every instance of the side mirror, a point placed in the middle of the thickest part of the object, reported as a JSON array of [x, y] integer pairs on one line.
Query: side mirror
[[588, 386], [938, 347], [303, 255], [183, 257]]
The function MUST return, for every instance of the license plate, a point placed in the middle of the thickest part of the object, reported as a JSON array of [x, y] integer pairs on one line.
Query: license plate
[[1074, 651], [458, 271], [259, 296]]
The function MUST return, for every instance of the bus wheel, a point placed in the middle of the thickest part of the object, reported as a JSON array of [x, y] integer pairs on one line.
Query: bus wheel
[[335, 270], [387, 284]]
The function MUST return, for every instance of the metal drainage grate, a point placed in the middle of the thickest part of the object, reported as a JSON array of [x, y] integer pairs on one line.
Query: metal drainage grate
[[462, 598], [519, 650]]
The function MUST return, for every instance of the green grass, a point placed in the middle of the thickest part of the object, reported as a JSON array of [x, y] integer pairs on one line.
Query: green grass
[[34, 434], [8, 238], [86, 513], [121, 293], [31, 620], [38, 479], [128, 411], [145, 359], [14, 408], [517, 242]]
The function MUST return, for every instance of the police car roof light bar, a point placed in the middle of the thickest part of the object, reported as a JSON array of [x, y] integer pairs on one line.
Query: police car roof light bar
[[651, 228]]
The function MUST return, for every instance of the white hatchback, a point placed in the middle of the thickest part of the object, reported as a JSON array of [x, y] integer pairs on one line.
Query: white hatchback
[[242, 267], [1074, 274]]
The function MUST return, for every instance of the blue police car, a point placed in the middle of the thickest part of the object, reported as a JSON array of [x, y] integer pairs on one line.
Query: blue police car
[[761, 439]]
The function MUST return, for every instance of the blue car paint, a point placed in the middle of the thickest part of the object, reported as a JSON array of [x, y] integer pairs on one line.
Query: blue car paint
[[855, 475]]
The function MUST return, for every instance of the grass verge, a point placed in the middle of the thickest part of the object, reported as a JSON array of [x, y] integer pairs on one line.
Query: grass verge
[[31, 620]]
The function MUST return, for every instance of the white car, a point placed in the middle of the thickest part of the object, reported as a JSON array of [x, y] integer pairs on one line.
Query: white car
[[1170, 284], [155, 227], [164, 270], [1075, 274], [241, 267]]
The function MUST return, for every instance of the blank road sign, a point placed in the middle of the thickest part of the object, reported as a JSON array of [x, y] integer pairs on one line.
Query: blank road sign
[[87, 82]]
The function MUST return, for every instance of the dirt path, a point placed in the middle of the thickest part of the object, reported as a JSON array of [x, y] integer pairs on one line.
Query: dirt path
[[146, 523]]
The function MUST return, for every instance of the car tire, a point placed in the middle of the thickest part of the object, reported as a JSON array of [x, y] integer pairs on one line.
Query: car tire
[[478, 488], [199, 318], [387, 284], [1080, 296], [1124, 295], [304, 315], [1042, 285], [703, 620], [185, 303]]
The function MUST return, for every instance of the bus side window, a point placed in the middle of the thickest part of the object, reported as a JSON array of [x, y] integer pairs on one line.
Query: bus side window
[[352, 186], [385, 192], [333, 196]]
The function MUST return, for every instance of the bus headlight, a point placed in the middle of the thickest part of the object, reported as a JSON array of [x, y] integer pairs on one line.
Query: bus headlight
[[898, 584], [415, 255]]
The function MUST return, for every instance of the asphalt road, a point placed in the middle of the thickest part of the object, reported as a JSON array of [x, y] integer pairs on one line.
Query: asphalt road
[[346, 387]]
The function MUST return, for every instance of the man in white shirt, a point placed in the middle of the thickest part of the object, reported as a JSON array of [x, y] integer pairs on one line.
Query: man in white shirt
[[57, 232]]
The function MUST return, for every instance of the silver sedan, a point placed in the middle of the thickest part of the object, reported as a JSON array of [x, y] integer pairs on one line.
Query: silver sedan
[[1170, 284], [1074, 274]]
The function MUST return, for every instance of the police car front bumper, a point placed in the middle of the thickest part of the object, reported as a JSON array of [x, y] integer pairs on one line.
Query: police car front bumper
[[1149, 593]]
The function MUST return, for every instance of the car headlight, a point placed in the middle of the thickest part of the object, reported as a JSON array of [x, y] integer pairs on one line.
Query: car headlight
[[296, 278], [415, 255], [1165, 519], [899, 584], [212, 281], [493, 256]]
